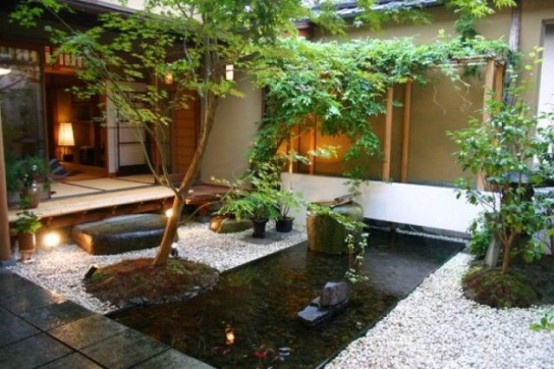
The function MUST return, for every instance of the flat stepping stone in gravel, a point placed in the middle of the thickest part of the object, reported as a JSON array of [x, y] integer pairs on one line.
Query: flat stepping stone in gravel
[[120, 234]]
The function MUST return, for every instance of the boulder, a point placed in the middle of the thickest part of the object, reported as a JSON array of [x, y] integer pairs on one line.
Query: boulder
[[120, 234], [333, 293], [219, 224]]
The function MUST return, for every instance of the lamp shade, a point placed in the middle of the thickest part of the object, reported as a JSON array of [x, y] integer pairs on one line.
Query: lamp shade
[[65, 136]]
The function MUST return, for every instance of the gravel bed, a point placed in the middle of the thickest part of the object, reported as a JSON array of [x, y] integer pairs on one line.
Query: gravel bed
[[61, 270], [437, 327], [434, 327]]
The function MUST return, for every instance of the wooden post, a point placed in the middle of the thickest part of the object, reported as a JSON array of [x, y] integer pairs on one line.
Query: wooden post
[[406, 131], [488, 94], [5, 246], [313, 132], [388, 137], [499, 82]]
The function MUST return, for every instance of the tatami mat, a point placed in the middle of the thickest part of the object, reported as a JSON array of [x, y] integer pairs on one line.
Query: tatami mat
[[142, 178], [108, 184], [60, 189]]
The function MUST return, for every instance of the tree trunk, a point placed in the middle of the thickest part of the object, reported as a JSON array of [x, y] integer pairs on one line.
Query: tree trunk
[[507, 251], [513, 42], [515, 27], [209, 106]]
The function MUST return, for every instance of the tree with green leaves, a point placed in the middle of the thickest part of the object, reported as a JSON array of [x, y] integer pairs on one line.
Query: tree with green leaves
[[193, 41], [501, 151]]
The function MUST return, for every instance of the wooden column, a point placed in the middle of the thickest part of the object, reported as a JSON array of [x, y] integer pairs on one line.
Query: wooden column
[[499, 82], [313, 132], [488, 94], [406, 120], [5, 247], [388, 137]]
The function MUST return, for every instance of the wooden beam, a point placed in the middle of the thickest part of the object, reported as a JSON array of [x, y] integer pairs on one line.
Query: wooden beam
[[388, 137], [487, 95], [406, 120]]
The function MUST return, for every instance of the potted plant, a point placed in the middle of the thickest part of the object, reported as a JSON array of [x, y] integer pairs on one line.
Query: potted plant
[[286, 200], [31, 172], [258, 206], [26, 226]]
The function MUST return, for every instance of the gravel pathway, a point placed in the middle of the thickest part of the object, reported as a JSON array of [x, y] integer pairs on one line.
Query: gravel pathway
[[434, 327]]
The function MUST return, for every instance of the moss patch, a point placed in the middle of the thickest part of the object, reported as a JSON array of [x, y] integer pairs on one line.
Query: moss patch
[[138, 281]]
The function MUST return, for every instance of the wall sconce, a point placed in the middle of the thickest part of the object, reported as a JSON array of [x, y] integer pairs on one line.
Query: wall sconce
[[66, 140], [168, 79], [229, 72]]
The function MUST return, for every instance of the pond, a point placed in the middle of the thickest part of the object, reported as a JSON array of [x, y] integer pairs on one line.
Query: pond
[[249, 319]]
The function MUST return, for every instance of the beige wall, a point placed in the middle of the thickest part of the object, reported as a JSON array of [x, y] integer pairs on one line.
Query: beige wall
[[439, 107], [232, 133]]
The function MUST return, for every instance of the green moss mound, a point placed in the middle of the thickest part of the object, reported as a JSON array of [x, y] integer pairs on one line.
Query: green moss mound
[[177, 280], [491, 287]]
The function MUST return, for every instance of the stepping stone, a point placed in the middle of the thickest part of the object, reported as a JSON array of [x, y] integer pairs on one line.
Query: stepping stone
[[120, 234]]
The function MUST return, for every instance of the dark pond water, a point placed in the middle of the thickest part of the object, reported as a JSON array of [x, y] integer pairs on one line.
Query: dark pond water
[[259, 302]]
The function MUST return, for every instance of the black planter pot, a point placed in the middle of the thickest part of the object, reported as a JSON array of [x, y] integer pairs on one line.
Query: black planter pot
[[284, 225], [259, 227]]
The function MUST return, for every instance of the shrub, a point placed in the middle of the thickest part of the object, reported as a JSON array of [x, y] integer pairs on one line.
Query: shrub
[[491, 287]]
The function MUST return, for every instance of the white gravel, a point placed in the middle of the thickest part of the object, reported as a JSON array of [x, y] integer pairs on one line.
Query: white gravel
[[437, 327], [61, 270], [434, 327]]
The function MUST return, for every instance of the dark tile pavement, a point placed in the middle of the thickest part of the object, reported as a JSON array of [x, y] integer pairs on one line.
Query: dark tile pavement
[[40, 329]]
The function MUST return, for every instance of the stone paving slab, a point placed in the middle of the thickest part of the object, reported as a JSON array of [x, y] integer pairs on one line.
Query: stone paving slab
[[13, 328], [30, 299], [32, 352], [51, 316], [11, 284], [124, 350], [39, 328], [172, 359], [87, 331], [73, 361]]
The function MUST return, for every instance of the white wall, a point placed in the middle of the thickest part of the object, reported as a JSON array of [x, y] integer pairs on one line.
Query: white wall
[[426, 206]]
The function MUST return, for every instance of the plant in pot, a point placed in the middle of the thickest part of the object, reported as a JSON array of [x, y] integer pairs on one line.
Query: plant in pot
[[26, 226], [286, 200], [31, 172], [258, 206]]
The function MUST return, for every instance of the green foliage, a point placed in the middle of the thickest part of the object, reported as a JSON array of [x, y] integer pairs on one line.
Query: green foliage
[[29, 170], [336, 87], [481, 237], [26, 222], [494, 288], [354, 274], [545, 323], [501, 150]]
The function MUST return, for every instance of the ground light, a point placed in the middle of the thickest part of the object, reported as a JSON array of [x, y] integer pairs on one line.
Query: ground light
[[51, 240]]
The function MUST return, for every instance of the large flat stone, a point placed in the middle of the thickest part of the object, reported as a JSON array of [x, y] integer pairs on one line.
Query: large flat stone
[[120, 234]]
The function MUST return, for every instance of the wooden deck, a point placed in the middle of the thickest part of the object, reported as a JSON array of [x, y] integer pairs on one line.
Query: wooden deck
[[75, 209]]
